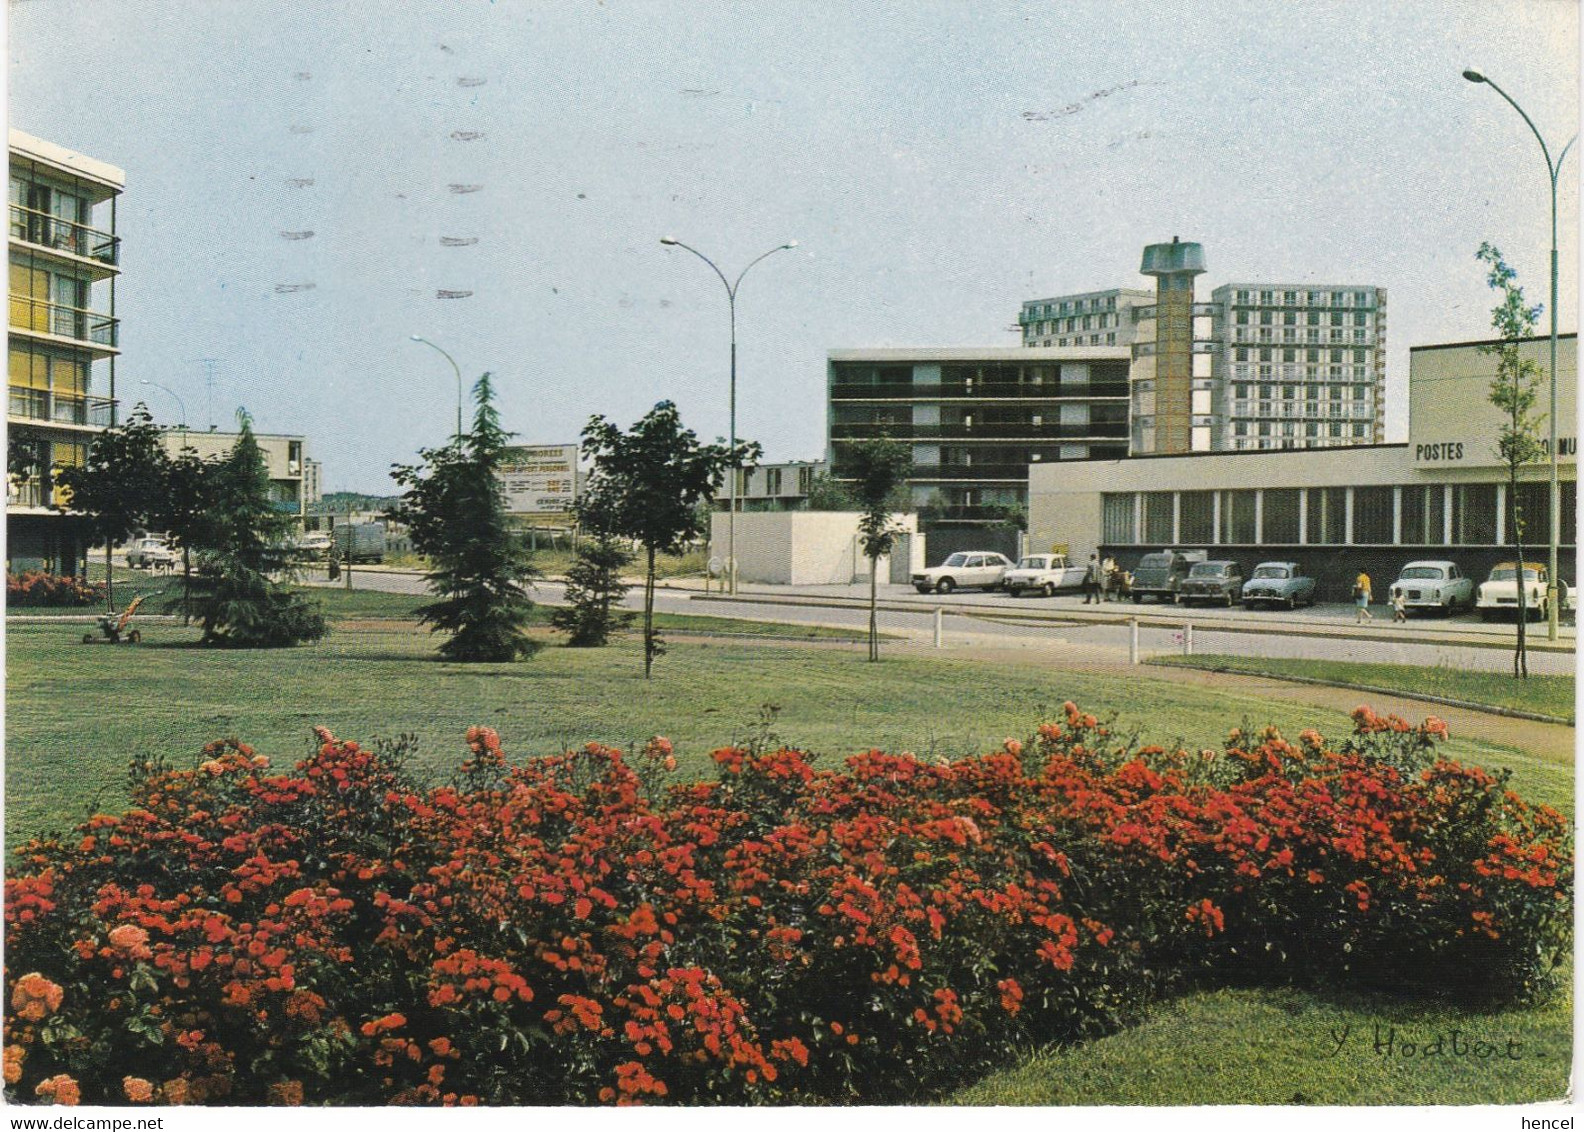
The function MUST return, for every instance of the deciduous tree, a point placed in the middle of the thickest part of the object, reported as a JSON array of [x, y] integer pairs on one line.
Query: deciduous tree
[[876, 469]]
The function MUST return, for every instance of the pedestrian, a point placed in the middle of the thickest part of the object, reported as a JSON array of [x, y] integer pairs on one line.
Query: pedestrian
[[335, 563], [1108, 578], [1361, 597], [1092, 581], [1399, 606]]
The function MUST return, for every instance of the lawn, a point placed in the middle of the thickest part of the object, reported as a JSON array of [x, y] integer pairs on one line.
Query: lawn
[[1543, 695], [76, 714]]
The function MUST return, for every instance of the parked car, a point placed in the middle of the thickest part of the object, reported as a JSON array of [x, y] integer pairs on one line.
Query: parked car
[[1434, 584], [1046, 573], [150, 553], [1219, 580], [983, 568], [1160, 574], [1498, 594], [1278, 583]]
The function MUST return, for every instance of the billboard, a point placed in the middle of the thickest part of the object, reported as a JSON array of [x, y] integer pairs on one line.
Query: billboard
[[540, 482]]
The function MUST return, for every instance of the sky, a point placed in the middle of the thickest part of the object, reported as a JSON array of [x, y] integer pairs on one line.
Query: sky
[[496, 177]]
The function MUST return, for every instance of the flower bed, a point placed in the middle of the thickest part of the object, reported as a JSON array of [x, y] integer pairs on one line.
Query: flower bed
[[35, 588], [578, 930]]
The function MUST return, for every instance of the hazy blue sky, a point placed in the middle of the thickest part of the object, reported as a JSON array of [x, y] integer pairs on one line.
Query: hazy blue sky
[[939, 163]]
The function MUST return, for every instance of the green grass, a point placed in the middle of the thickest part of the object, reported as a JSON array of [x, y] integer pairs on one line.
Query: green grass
[[76, 714], [1289, 1047], [1544, 695]]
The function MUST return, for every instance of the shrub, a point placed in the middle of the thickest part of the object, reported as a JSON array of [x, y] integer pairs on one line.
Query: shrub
[[579, 929], [36, 588]]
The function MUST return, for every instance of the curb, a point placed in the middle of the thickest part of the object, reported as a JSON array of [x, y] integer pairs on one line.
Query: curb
[[1374, 689]]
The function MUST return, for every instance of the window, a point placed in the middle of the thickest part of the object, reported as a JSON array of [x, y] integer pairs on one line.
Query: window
[[1474, 513], [772, 481], [1116, 518], [1237, 517], [1328, 515], [1197, 518], [1533, 503], [1158, 517], [1281, 516], [1372, 514]]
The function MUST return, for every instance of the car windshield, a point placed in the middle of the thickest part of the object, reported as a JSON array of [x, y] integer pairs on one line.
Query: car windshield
[[1413, 572], [1271, 572], [1505, 574], [956, 560], [1033, 562], [1208, 570]]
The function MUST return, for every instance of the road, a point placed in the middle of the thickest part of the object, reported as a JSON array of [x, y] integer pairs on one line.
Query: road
[[1097, 634]]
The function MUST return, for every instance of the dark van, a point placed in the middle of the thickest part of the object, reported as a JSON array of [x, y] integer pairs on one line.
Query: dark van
[[1161, 575]]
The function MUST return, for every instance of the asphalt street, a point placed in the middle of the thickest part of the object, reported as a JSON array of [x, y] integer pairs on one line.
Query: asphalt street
[[1101, 633]]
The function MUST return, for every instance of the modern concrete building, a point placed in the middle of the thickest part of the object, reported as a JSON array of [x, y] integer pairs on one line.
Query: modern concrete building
[[1443, 494], [1093, 318], [776, 487], [1259, 366], [283, 459], [978, 419], [63, 338]]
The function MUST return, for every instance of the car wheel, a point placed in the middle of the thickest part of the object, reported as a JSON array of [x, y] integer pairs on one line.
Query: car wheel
[[1487, 615], [1292, 602], [922, 589], [1014, 590], [1048, 589], [945, 586], [1138, 599]]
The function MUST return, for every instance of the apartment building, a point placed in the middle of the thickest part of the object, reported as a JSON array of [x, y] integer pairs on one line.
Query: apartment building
[[63, 338], [978, 418], [775, 487], [1092, 318], [293, 478]]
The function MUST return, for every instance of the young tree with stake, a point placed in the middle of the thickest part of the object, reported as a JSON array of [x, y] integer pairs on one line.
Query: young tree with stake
[[878, 468]]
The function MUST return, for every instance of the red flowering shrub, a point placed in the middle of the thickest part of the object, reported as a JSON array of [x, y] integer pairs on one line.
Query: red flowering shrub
[[575, 930], [34, 588]]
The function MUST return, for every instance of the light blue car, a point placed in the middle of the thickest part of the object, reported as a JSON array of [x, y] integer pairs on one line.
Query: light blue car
[[1278, 583]]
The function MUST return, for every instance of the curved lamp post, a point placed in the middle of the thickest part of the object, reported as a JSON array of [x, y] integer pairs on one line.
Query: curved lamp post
[[731, 302], [180, 403], [458, 371], [1552, 168]]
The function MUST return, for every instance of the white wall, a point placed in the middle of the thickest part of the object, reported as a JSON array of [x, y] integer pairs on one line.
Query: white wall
[[802, 548]]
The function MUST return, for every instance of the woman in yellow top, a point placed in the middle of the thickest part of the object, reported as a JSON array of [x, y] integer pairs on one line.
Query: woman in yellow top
[[1361, 597]]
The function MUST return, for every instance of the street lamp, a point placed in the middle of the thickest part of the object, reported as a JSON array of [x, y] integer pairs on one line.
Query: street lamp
[[731, 302], [182, 404], [1552, 168], [454, 366]]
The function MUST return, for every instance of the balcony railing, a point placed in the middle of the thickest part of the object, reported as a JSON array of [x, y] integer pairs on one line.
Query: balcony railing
[[35, 227], [970, 472], [45, 317], [994, 430], [30, 494], [41, 405], [852, 391]]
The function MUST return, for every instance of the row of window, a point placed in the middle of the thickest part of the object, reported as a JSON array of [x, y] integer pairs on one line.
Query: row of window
[[1310, 428], [1461, 514], [1270, 443], [1306, 298], [1290, 334], [1084, 322], [1290, 318], [1298, 409], [1054, 307], [1093, 340], [1312, 355], [1296, 392]]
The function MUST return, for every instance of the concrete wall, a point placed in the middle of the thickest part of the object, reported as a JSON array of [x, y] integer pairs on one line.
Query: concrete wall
[[802, 548]]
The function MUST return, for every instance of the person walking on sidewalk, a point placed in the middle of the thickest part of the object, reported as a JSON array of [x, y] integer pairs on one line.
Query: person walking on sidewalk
[[1091, 585], [1399, 607], [1361, 597]]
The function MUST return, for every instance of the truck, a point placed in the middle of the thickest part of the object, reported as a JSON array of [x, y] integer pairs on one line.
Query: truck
[[1161, 574], [360, 542]]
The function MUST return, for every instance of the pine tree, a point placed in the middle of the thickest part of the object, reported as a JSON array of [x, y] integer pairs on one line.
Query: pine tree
[[594, 591], [455, 509]]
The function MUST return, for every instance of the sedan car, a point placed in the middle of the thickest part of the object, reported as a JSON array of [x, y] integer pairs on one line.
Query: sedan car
[[150, 554], [1045, 573], [1278, 583], [1434, 585], [1498, 594], [983, 568], [1219, 580]]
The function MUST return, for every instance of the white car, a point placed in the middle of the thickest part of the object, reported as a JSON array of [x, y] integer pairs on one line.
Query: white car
[[983, 568], [313, 544], [1498, 594], [150, 554], [1046, 573], [1433, 584]]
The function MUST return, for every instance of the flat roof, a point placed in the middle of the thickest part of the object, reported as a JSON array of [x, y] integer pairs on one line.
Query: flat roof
[[1489, 342], [985, 354], [67, 161]]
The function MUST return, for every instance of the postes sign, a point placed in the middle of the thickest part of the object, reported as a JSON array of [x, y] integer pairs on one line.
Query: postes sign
[[540, 482]]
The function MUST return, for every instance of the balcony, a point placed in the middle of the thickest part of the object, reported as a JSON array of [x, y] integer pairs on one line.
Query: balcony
[[37, 316], [989, 430], [983, 472], [48, 408], [30, 494], [40, 229], [987, 390]]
